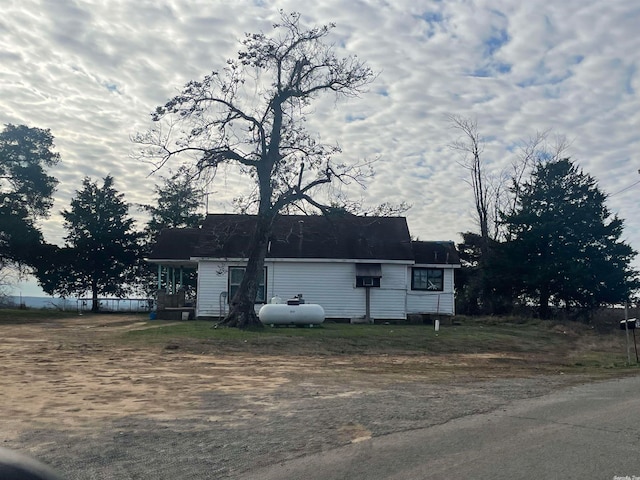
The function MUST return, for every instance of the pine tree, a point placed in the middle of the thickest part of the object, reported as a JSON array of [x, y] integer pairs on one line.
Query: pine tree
[[178, 200], [25, 191], [102, 246], [566, 248]]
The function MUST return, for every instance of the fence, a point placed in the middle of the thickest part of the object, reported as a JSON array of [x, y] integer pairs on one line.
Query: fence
[[134, 305]]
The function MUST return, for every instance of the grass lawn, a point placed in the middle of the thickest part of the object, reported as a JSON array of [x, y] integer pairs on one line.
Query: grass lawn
[[16, 316], [567, 344], [517, 343]]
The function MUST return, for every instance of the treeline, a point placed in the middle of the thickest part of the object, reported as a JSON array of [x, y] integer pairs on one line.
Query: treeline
[[546, 239], [104, 250]]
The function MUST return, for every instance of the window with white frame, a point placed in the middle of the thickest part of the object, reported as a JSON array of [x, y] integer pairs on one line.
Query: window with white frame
[[235, 277], [429, 279]]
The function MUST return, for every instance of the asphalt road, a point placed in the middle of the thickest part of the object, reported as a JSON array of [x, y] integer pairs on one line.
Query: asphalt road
[[586, 432]]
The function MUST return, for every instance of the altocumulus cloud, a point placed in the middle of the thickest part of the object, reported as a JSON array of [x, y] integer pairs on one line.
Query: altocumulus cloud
[[92, 71]]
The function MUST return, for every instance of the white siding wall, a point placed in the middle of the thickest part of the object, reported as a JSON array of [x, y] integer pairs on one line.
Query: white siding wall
[[389, 301], [212, 280], [432, 302], [331, 285]]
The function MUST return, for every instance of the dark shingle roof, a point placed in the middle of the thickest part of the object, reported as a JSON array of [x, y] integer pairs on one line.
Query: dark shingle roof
[[309, 236], [175, 244], [444, 253], [304, 236]]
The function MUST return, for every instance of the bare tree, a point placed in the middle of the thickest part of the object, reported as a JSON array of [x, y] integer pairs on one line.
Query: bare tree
[[531, 152], [252, 115], [471, 145], [497, 194]]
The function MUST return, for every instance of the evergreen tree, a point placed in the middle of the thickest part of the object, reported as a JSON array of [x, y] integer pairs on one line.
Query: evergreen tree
[[25, 191], [178, 201], [102, 247], [566, 248], [481, 284]]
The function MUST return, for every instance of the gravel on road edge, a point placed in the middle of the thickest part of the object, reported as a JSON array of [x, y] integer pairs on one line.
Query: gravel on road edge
[[234, 433]]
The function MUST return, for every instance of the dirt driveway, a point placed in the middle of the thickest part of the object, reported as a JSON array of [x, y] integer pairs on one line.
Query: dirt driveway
[[94, 407]]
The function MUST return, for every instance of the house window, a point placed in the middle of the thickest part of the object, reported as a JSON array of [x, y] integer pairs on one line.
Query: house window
[[235, 277], [430, 279]]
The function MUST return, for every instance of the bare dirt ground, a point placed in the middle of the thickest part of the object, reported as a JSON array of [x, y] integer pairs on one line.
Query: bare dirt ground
[[94, 407]]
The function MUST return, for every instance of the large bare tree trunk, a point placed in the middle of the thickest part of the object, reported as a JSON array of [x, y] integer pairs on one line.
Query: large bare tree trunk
[[242, 312]]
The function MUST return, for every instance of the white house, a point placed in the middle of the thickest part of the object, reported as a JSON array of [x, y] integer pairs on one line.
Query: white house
[[354, 266]]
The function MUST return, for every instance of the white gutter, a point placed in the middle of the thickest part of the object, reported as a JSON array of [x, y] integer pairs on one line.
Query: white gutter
[[307, 260]]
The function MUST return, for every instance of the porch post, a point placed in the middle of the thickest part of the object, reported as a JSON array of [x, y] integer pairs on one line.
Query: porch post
[[181, 284], [159, 276], [173, 280]]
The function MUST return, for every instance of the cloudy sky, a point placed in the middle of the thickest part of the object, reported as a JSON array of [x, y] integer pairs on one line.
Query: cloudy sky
[[92, 71]]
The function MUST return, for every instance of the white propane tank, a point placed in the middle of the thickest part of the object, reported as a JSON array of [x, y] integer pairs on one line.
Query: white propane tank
[[283, 314]]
